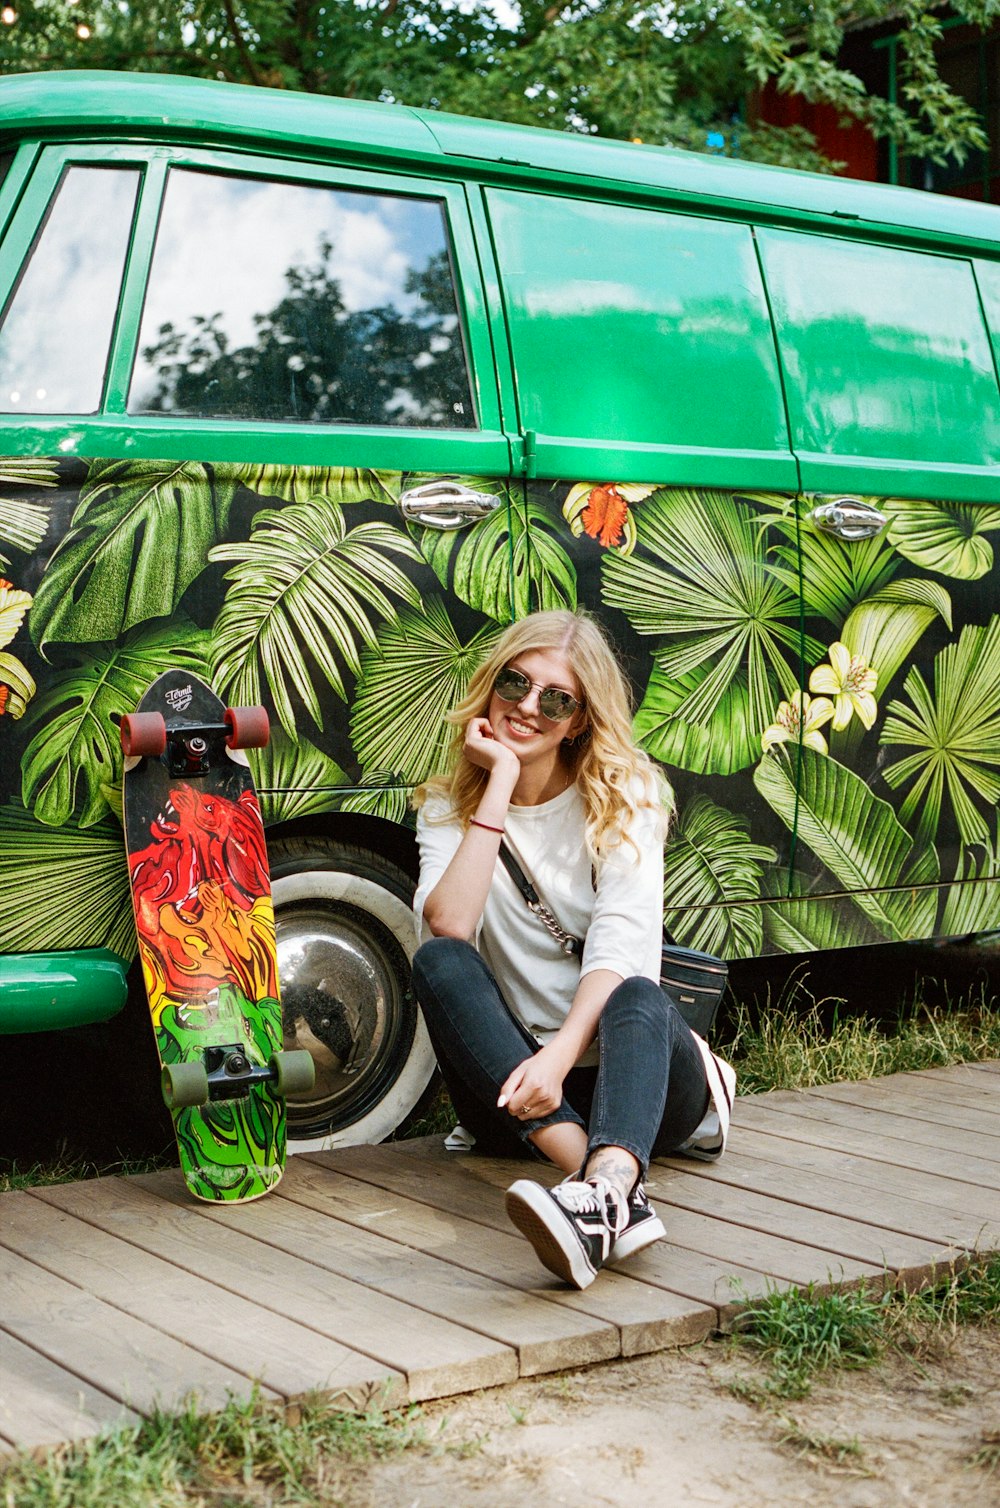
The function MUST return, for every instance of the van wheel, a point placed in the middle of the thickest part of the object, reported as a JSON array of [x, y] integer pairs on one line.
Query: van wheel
[[345, 939]]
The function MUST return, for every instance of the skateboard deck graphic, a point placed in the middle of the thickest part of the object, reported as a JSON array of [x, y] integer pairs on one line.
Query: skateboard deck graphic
[[202, 899]]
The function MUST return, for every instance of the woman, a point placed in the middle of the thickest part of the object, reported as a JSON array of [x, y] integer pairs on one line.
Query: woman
[[578, 1055]]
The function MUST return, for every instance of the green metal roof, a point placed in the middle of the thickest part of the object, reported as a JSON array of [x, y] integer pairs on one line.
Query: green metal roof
[[114, 106]]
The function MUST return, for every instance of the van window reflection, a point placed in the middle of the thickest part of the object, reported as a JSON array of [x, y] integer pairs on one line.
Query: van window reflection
[[287, 302], [56, 331]]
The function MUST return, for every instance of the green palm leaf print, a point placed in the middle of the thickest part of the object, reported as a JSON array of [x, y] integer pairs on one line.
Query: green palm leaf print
[[76, 747], [140, 536], [710, 862], [343, 484], [293, 778], [973, 903], [698, 578], [857, 837], [729, 741], [390, 802], [304, 589], [884, 628], [63, 883], [836, 575], [944, 537], [797, 922], [507, 566], [418, 670], [954, 735], [22, 523]]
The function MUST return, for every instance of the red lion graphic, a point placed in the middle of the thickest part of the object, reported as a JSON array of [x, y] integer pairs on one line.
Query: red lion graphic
[[198, 887]]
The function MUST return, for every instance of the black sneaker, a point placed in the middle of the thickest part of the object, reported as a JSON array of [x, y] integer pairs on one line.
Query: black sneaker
[[572, 1227], [643, 1228]]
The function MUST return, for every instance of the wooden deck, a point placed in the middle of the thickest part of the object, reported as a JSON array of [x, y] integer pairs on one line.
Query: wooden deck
[[392, 1271]]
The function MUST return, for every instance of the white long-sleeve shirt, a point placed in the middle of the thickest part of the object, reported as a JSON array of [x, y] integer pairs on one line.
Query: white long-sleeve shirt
[[620, 919]]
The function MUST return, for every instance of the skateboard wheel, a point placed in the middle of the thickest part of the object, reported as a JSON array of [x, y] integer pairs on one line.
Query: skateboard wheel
[[143, 733], [249, 727], [184, 1084], [294, 1072]]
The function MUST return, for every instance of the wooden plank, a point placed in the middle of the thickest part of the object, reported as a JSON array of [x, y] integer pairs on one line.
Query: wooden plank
[[703, 1238], [284, 1357], [878, 1122], [965, 1073], [885, 1094], [434, 1356], [41, 1404], [647, 1320], [831, 1195], [109, 1350], [700, 1274], [977, 1094], [873, 1142], [977, 1208], [544, 1336], [837, 1237]]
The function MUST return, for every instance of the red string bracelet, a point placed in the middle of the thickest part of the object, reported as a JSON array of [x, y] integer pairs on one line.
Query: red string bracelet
[[475, 822]]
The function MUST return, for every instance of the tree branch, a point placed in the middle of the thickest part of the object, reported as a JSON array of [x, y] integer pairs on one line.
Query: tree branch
[[241, 47]]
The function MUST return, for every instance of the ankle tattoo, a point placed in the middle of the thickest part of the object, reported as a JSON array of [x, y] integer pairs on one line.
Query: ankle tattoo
[[619, 1167]]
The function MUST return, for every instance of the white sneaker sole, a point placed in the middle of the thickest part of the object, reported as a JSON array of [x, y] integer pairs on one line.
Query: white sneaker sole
[[557, 1245], [631, 1241]]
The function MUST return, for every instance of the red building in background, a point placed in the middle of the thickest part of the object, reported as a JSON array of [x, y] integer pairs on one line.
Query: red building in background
[[969, 61]]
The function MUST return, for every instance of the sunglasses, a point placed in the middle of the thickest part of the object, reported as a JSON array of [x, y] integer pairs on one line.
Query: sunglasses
[[513, 686]]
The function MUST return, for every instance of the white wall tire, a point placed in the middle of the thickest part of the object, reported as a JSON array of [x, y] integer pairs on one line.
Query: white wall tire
[[345, 940]]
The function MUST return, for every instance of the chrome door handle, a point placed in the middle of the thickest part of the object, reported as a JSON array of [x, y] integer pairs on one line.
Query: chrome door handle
[[849, 518], [442, 504]]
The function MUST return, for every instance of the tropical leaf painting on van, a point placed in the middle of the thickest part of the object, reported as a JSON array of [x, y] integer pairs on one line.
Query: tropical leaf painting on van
[[826, 712], [727, 628]]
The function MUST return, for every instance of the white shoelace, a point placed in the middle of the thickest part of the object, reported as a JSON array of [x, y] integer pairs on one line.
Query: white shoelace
[[591, 1196]]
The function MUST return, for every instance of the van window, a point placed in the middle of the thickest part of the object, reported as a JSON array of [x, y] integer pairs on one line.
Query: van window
[[637, 325], [56, 330], [884, 351], [282, 301]]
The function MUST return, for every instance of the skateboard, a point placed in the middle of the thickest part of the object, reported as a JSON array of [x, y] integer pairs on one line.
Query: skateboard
[[201, 893]]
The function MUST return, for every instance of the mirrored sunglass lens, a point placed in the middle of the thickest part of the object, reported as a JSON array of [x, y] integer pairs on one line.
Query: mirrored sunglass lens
[[511, 685], [556, 705]]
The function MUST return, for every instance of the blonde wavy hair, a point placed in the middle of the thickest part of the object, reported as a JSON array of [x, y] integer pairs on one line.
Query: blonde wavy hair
[[613, 775]]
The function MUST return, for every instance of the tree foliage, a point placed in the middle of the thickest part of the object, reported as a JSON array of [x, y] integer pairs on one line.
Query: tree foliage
[[672, 71]]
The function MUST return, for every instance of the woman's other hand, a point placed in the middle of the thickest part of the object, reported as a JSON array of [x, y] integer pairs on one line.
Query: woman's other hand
[[535, 1088]]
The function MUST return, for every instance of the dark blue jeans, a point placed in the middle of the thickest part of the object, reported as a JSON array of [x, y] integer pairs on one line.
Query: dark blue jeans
[[647, 1095]]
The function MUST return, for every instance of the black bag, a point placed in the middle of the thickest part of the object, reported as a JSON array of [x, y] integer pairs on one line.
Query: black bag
[[694, 981]]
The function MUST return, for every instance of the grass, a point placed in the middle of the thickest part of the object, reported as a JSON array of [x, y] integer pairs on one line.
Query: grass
[[247, 1454], [826, 1447], [801, 1333], [794, 1045], [66, 1169]]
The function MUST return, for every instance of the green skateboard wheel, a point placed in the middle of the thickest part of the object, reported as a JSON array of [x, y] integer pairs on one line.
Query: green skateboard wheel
[[184, 1084]]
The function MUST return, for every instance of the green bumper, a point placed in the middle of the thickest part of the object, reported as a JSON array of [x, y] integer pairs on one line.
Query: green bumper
[[45, 992]]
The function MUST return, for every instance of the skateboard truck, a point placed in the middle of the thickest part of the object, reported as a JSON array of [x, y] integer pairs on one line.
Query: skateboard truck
[[226, 1073], [190, 746]]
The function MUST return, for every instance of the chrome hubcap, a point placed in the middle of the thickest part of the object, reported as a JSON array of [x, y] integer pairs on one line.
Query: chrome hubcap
[[341, 1001]]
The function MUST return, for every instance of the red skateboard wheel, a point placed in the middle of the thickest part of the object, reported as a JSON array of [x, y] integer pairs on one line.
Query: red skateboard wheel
[[249, 727], [143, 733]]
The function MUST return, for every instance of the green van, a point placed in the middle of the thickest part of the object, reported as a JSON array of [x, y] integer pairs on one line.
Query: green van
[[312, 396]]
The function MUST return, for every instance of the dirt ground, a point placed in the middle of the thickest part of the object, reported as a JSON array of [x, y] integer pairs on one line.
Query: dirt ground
[[673, 1429]]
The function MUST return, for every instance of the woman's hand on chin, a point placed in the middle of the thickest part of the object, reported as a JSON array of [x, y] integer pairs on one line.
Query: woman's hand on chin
[[481, 748]]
